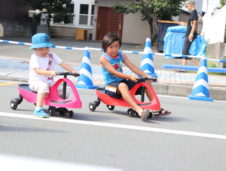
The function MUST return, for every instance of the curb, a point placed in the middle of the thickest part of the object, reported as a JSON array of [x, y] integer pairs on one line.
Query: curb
[[217, 93]]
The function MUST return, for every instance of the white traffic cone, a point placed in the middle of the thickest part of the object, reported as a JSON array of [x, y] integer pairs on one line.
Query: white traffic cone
[[147, 64], [200, 90], [85, 79]]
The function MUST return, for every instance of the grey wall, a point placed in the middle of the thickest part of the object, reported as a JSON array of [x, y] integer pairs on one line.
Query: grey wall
[[14, 18]]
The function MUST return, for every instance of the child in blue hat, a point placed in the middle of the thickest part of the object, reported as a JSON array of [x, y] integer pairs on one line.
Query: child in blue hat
[[41, 70]]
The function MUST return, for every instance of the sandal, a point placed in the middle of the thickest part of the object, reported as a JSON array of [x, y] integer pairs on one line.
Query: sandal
[[163, 112], [144, 115]]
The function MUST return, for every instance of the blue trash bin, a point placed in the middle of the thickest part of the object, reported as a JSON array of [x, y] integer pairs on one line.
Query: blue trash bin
[[162, 27]]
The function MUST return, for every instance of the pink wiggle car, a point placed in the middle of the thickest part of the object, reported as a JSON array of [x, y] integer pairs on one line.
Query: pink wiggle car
[[58, 104]]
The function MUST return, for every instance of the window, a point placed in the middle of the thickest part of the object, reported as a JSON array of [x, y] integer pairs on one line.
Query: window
[[86, 14]]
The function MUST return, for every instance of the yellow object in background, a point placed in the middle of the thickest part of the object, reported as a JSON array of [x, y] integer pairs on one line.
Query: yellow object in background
[[7, 83], [80, 34]]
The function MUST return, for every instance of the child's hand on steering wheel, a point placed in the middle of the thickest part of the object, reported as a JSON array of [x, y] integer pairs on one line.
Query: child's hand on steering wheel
[[148, 76], [53, 73], [133, 78]]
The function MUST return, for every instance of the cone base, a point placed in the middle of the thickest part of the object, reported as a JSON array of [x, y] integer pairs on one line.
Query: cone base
[[203, 98], [85, 86]]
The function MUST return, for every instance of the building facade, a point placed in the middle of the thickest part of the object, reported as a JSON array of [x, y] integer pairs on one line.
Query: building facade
[[130, 27], [98, 18]]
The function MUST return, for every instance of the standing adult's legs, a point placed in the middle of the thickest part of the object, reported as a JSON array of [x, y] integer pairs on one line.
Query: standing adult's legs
[[187, 44]]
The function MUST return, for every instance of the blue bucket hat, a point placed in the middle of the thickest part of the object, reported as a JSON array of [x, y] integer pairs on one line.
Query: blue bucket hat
[[41, 40]]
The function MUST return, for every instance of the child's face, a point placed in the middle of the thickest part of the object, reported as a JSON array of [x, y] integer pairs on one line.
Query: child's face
[[42, 52], [113, 49]]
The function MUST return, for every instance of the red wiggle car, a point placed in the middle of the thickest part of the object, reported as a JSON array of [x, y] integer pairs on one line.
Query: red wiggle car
[[153, 106]]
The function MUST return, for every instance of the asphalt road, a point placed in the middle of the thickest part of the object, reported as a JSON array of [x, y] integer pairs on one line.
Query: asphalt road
[[192, 138]]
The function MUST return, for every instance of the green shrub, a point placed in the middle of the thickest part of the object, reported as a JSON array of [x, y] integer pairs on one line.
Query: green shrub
[[212, 64], [223, 2]]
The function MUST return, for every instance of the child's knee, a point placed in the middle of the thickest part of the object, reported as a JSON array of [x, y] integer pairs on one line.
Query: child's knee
[[148, 82], [122, 86]]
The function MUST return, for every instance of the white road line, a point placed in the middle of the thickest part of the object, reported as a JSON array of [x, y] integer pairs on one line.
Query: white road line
[[120, 126]]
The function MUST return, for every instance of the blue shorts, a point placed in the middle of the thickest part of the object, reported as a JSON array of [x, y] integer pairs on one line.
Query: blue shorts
[[112, 88]]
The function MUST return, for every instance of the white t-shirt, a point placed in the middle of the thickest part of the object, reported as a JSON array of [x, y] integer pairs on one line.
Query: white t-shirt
[[41, 63]]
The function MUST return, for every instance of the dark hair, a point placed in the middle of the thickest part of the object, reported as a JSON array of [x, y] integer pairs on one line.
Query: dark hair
[[109, 39]]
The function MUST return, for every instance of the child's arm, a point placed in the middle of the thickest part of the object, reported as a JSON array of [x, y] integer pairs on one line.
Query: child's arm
[[133, 67], [45, 72], [63, 64], [105, 63], [67, 67]]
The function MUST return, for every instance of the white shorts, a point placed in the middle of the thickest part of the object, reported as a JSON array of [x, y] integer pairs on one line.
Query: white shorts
[[40, 87]]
